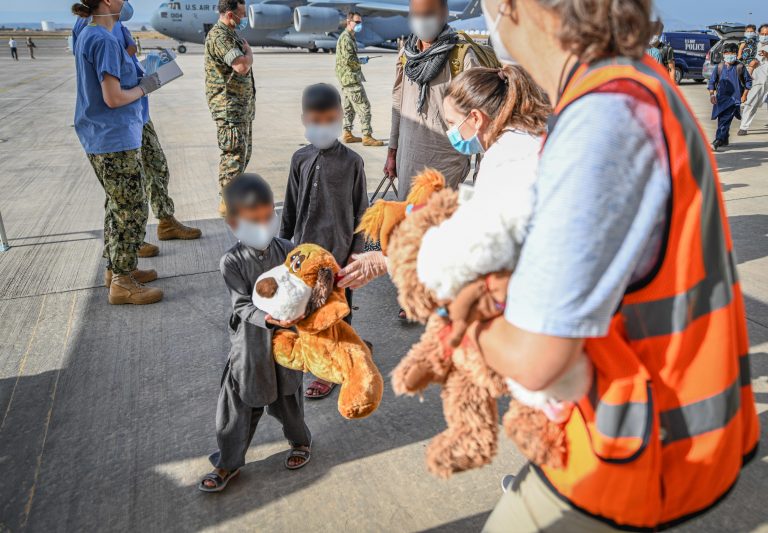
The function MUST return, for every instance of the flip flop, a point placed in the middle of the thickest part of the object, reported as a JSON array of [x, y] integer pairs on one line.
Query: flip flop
[[317, 385], [221, 482], [295, 452]]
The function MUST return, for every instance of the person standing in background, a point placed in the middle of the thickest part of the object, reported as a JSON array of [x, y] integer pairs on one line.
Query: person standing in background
[[231, 91], [351, 78], [108, 123], [417, 139], [748, 45], [661, 51], [31, 46], [14, 48], [156, 171], [757, 95]]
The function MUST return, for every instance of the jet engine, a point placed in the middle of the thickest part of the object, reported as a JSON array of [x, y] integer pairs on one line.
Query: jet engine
[[308, 19], [269, 16]]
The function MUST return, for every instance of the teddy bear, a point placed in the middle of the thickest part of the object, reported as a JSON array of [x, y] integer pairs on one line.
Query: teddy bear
[[469, 387], [303, 289]]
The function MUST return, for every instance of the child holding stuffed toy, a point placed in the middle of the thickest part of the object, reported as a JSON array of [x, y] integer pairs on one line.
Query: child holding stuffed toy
[[327, 190], [252, 381]]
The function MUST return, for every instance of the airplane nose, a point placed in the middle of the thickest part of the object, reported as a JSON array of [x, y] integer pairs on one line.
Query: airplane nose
[[154, 20]]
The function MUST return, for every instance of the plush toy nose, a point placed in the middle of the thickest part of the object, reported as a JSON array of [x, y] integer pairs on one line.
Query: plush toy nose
[[267, 287]]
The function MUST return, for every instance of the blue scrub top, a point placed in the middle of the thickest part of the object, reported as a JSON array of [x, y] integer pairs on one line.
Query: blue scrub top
[[124, 37], [101, 129]]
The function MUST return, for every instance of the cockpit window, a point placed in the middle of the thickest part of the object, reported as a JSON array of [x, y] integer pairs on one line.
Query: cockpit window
[[174, 6]]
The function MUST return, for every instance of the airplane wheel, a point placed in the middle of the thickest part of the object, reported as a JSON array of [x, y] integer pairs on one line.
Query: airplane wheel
[[182, 49], [313, 50]]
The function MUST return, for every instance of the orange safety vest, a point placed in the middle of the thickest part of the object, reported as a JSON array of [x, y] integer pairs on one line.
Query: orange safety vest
[[671, 417]]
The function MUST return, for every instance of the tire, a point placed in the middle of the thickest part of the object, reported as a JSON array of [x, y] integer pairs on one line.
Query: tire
[[678, 75], [312, 50], [699, 80], [182, 49]]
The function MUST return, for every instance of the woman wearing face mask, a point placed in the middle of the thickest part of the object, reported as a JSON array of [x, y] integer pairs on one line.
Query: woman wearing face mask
[[108, 122], [502, 114], [628, 257]]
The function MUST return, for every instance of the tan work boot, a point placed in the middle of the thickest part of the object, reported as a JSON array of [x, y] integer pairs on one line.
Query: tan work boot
[[222, 208], [126, 290], [349, 138], [170, 228], [142, 276], [148, 250], [370, 141]]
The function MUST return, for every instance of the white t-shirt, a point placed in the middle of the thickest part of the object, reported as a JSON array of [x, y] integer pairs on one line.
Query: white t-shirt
[[760, 74], [12, 43]]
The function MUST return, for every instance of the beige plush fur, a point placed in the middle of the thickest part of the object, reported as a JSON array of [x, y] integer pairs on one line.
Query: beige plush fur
[[470, 388]]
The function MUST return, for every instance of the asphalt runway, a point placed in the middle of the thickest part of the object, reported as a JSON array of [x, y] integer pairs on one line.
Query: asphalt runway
[[108, 412]]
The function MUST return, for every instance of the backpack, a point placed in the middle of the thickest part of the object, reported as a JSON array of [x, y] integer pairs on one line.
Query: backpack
[[485, 55], [739, 73]]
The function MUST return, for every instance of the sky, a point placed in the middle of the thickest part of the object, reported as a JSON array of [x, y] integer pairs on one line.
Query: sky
[[678, 14]]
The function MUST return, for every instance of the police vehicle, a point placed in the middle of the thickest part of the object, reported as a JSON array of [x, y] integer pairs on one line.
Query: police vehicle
[[691, 48]]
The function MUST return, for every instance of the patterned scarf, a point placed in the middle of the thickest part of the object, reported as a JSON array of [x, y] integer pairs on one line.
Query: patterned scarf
[[422, 67]]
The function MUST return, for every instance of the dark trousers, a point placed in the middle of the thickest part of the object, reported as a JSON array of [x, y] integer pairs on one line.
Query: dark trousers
[[15, 53], [236, 423], [724, 121]]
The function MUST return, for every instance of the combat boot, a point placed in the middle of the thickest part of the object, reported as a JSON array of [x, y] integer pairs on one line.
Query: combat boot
[[126, 290], [349, 138], [148, 250], [142, 276], [170, 228], [370, 141]]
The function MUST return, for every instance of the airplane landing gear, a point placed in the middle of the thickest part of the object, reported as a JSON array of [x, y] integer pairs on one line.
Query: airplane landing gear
[[181, 49]]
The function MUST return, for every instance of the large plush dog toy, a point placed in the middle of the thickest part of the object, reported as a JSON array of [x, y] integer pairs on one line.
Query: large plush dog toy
[[469, 387], [323, 344]]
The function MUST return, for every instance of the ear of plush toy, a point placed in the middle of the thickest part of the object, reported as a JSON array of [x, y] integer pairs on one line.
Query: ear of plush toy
[[327, 305], [405, 243], [380, 220], [321, 291]]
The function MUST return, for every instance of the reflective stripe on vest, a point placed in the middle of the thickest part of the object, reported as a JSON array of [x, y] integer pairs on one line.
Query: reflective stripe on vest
[[630, 420]]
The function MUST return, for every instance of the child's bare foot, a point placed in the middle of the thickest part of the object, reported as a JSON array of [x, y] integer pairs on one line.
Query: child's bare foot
[[319, 389], [217, 480], [297, 457]]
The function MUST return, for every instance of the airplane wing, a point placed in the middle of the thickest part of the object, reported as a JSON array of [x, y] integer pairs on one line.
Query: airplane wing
[[384, 8]]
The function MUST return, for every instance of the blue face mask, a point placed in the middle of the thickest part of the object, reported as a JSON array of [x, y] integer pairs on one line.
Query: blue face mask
[[729, 58], [467, 147], [749, 35], [126, 13], [358, 28], [243, 24], [763, 39]]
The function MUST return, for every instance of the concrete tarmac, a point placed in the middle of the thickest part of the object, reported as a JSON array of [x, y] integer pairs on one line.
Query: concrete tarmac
[[107, 413]]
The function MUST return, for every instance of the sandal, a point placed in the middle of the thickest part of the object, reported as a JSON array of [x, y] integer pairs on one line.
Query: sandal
[[322, 389], [220, 482], [298, 452]]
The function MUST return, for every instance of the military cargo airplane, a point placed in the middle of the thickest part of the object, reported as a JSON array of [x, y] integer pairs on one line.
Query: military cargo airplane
[[313, 24]]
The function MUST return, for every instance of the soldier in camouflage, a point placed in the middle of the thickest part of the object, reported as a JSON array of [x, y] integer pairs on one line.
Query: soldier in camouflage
[[230, 90], [350, 75]]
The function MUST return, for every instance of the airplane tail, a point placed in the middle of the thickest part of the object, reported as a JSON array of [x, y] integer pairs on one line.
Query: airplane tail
[[471, 10]]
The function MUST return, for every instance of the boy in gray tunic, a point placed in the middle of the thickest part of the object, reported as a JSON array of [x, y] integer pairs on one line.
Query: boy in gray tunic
[[327, 190], [252, 381]]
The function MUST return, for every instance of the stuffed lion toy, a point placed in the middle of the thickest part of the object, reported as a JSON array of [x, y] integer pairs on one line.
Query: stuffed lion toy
[[323, 344]]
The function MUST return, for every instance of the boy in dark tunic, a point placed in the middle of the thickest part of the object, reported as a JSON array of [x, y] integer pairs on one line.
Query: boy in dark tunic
[[327, 190], [252, 381]]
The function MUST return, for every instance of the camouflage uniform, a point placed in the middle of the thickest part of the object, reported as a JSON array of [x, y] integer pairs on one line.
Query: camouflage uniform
[[231, 99], [351, 78], [121, 174], [156, 173]]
